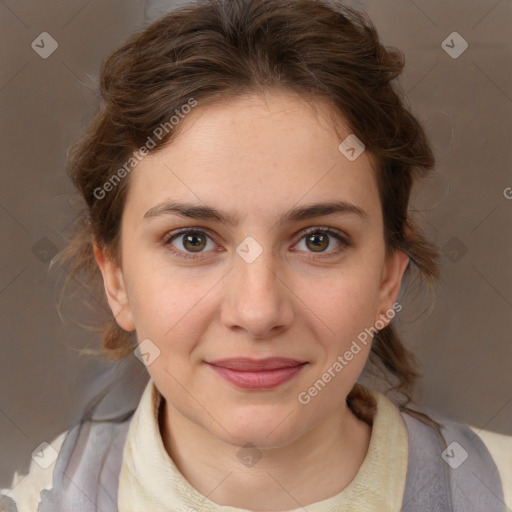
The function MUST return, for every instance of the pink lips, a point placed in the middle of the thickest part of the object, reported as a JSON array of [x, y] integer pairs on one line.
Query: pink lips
[[257, 373]]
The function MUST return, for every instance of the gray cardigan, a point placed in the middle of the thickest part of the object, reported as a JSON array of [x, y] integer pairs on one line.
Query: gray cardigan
[[86, 473]]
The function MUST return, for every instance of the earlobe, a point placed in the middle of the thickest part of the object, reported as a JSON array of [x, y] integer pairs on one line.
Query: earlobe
[[394, 270], [115, 289]]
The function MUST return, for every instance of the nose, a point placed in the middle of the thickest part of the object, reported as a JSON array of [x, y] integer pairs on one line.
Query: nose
[[257, 298]]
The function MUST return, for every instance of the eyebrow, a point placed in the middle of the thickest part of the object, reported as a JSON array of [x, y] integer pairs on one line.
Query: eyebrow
[[296, 214]]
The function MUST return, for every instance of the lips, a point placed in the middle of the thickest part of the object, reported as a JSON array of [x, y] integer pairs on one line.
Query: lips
[[257, 374], [244, 364]]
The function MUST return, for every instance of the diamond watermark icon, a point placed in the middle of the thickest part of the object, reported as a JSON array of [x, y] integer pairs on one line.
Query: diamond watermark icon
[[351, 147], [454, 45], [454, 455], [454, 250], [146, 352], [249, 455], [44, 45], [44, 250], [44, 455], [249, 249]]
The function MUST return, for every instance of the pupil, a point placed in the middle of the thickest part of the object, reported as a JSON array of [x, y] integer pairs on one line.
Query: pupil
[[319, 244], [319, 241], [190, 239]]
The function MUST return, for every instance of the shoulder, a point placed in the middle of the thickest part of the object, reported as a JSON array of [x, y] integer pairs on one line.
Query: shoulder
[[25, 489], [88, 444], [500, 448], [471, 459], [100, 429], [473, 469]]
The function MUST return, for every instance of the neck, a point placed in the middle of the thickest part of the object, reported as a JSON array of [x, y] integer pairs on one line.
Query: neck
[[273, 479]]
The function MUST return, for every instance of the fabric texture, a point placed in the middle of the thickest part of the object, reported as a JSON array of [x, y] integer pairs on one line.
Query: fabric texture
[[25, 490], [97, 458], [86, 476], [149, 477]]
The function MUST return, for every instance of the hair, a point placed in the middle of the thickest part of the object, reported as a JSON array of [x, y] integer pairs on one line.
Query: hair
[[213, 50]]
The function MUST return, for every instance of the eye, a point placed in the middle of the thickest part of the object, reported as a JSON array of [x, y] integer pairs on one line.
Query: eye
[[189, 241], [319, 239]]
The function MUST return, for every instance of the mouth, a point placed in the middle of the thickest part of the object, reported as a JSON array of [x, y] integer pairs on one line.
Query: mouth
[[249, 373]]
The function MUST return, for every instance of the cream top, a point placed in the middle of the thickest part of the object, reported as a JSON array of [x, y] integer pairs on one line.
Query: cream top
[[149, 476], [150, 480]]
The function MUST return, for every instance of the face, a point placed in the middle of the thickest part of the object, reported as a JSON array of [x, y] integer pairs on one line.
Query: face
[[249, 270]]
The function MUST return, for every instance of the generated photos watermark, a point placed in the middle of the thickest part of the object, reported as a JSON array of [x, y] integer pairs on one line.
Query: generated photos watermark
[[304, 397], [100, 192]]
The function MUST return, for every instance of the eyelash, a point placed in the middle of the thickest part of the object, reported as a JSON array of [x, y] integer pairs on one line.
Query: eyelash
[[345, 243]]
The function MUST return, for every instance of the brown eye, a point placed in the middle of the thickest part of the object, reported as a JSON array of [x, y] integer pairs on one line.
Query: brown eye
[[317, 242], [187, 242], [194, 242], [319, 239]]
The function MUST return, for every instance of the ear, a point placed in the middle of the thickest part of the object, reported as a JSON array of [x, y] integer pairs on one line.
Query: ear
[[394, 269], [115, 288]]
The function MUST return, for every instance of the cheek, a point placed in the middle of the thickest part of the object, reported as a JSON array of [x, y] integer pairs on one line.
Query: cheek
[[345, 304], [341, 316], [169, 306]]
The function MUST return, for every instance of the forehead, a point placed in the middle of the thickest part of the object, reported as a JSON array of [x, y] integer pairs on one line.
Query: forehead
[[256, 154]]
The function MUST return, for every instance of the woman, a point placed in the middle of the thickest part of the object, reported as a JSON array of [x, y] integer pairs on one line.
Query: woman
[[247, 181]]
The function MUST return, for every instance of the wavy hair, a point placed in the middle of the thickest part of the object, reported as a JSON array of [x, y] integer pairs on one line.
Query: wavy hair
[[214, 49]]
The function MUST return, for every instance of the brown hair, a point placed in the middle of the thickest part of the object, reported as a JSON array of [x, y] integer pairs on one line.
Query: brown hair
[[212, 50]]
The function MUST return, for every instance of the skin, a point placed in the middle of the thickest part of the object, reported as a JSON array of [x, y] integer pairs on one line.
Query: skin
[[255, 157]]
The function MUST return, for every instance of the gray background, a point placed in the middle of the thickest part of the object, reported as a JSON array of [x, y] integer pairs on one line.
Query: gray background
[[464, 345]]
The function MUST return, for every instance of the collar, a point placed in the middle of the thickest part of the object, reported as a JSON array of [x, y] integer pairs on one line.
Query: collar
[[149, 479]]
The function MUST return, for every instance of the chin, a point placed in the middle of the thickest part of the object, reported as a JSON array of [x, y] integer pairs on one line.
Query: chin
[[271, 430]]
